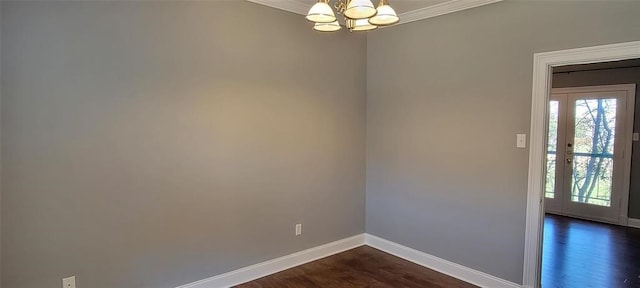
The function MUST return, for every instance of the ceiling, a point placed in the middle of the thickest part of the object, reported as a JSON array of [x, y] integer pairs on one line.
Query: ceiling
[[409, 10]]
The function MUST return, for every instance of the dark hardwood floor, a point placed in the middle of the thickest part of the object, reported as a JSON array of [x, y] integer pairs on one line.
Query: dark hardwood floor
[[360, 267], [576, 253], [579, 253]]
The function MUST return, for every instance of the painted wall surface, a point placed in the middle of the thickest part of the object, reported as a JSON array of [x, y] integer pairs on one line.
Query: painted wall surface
[[0, 147], [152, 144], [446, 98], [611, 77]]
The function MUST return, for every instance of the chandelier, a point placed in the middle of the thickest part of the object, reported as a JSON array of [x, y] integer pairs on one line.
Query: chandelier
[[359, 15]]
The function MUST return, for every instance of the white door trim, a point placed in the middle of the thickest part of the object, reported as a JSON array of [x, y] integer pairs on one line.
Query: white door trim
[[542, 73]]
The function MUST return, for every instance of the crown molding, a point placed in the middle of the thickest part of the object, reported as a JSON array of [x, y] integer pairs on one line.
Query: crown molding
[[407, 17], [442, 9], [287, 5]]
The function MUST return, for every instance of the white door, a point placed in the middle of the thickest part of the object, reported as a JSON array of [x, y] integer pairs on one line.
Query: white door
[[589, 151]]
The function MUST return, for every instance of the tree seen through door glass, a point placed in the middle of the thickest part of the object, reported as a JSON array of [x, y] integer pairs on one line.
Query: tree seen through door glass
[[595, 126]]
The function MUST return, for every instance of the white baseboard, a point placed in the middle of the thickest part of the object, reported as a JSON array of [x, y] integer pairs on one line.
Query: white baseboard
[[259, 270], [633, 222], [438, 264], [266, 268]]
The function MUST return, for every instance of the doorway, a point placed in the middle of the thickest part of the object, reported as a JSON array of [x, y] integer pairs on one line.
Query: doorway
[[587, 177], [543, 63], [589, 150]]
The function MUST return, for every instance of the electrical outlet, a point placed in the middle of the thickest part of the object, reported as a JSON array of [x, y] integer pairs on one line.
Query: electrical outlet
[[69, 282], [298, 229]]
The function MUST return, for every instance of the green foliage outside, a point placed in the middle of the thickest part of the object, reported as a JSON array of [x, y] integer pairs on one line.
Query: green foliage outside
[[592, 162]]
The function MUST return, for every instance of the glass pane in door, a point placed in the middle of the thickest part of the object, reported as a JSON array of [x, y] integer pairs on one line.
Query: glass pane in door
[[592, 175], [552, 144]]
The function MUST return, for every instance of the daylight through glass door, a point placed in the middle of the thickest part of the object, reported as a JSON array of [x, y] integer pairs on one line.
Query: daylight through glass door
[[593, 148], [586, 140]]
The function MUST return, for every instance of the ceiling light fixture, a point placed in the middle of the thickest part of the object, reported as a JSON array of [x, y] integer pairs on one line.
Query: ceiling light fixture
[[359, 15], [327, 27]]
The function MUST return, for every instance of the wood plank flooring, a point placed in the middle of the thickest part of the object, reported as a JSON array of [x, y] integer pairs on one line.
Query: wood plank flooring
[[360, 267], [576, 253], [583, 254]]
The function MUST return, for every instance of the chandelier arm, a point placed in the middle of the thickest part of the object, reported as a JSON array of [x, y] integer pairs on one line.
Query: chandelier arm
[[341, 5]]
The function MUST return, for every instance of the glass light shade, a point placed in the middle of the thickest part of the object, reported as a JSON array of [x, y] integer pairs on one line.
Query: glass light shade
[[386, 16], [360, 25], [360, 9], [327, 27], [321, 12]]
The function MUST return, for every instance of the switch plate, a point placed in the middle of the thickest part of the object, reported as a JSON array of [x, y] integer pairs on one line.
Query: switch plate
[[69, 282], [636, 136], [298, 229], [521, 140]]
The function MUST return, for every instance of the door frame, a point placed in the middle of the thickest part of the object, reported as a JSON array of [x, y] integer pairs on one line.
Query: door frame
[[543, 64]]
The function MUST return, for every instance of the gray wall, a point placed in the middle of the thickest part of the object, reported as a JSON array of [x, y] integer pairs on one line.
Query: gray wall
[[152, 144], [446, 98], [0, 147], [610, 77]]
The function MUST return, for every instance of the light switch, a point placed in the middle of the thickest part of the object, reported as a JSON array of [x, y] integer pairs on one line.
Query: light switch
[[521, 141], [69, 282], [298, 229], [636, 136]]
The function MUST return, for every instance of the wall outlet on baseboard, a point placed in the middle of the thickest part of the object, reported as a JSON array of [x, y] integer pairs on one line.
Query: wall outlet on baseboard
[[298, 229], [69, 282]]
